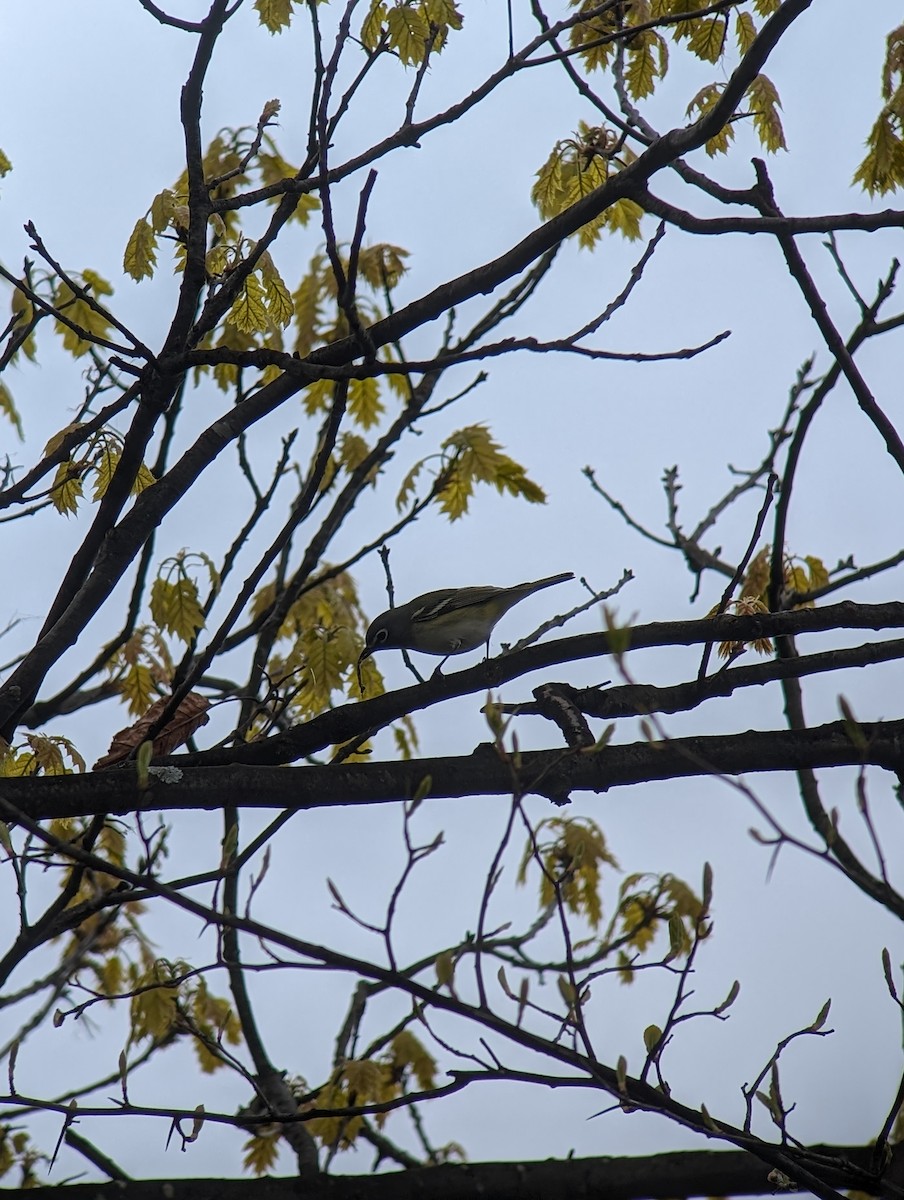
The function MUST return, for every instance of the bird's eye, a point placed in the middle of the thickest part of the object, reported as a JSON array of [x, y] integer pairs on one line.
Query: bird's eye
[[380, 636]]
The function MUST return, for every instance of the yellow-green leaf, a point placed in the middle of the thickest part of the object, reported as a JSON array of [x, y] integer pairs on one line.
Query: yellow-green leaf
[[318, 397], [67, 488], [353, 450], [883, 168], [707, 38], [745, 31], [143, 479], [445, 968], [274, 15], [249, 313], [651, 1036], [81, 313], [406, 491], [624, 217], [277, 297], [140, 256], [8, 408], [382, 265], [647, 62], [372, 28], [408, 30], [104, 469], [136, 684], [162, 210], [364, 405], [175, 606], [409, 1051], [261, 1153], [764, 104]]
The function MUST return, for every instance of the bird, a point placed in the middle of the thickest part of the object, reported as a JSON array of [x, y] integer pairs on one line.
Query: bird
[[447, 621]]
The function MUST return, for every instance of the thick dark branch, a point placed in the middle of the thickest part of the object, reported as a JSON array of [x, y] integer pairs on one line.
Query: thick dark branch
[[640, 699], [657, 1176], [889, 218], [553, 773]]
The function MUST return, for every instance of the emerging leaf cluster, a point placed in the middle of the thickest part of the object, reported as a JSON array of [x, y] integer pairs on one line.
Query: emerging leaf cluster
[[319, 644], [17, 1154], [410, 30], [571, 861], [882, 170], [646, 904], [40, 754], [371, 1081], [99, 456], [576, 167], [175, 595], [799, 577], [167, 997], [318, 318], [105, 937], [605, 42], [231, 166], [141, 667], [82, 319], [468, 457]]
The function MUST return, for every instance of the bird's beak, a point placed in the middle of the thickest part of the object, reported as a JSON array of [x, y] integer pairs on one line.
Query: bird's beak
[[365, 653]]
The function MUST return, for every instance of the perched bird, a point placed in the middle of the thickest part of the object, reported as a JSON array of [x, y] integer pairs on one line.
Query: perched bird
[[448, 621]]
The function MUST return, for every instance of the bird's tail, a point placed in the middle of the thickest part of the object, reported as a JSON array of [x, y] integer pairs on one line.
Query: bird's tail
[[527, 588]]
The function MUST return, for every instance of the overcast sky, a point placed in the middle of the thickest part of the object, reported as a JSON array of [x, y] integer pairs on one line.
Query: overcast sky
[[90, 97]]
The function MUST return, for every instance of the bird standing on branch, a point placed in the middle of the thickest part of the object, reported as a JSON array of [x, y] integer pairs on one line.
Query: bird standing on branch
[[448, 621]]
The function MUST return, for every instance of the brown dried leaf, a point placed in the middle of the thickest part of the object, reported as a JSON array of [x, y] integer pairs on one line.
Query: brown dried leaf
[[189, 716]]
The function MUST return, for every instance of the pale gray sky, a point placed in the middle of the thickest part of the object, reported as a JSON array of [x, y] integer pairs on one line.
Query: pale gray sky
[[90, 95]]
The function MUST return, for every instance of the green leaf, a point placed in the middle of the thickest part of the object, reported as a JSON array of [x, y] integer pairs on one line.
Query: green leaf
[[317, 397], [624, 217], [249, 313], [67, 488], [586, 33], [382, 265], [733, 994], [81, 313], [406, 491], [476, 458], [175, 607], [547, 191], [883, 168], [745, 31], [143, 479], [651, 1037], [364, 405], [140, 256], [372, 28], [353, 450], [764, 103], [162, 211], [821, 1018], [104, 468], [445, 968], [274, 15], [648, 60], [408, 30], [8, 407], [707, 38], [277, 297]]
